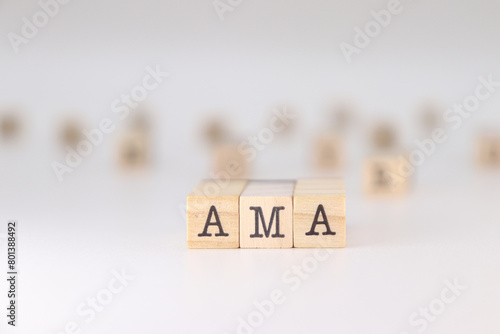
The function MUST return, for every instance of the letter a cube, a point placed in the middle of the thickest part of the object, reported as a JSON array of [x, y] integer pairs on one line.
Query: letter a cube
[[213, 214], [319, 213]]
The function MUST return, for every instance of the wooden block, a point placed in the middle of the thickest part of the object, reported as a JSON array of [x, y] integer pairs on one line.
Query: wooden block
[[489, 150], [384, 137], [383, 175], [133, 150], [10, 127], [229, 162], [216, 129], [341, 116], [430, 118], [266, 215], [213, 215], [328, 152], [71, 133], [319, 213]]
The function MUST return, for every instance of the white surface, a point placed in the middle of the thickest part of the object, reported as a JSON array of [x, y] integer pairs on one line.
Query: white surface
[[398, 254]]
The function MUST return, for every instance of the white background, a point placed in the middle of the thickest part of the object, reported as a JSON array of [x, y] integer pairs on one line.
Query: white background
[[399, 252]]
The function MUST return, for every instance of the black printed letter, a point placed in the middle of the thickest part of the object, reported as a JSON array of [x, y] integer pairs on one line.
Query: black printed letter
[[267, 230], [321, 210], [205, 233]]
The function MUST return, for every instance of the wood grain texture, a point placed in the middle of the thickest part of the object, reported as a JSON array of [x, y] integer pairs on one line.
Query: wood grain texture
[[319, 213], [212, 203], [271, 201], [385, 175]]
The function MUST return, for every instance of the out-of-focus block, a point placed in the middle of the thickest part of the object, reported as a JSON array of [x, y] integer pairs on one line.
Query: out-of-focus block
[[266, 214], [319, 213], [229, 162], [71, 133], [328, 152], [213, 214], [385, 175], [489, 151], [215, 129], [133, 150], [10, 127], [430, 118], [384, 137]]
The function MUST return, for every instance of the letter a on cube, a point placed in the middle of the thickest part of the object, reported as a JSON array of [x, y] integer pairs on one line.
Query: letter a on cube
[[319, 213], [213, 214]]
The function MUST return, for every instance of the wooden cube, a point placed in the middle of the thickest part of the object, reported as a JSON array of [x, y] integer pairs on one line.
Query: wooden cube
[[489, 151], [71, 133], [430, 118], [213, 214], [266, 215], [10, 127], [328, 152], [229, 162], [215, 130], [342, 116], [133, 151], [319, 213], [383, 175], [384, 137]]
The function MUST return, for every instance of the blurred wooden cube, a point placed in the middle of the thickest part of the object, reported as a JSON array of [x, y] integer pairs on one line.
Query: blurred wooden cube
[[488, 150], [10, 127], [134, 150], [341, 116], [266, 214], [229, 162], [430, 119], [319, 213], [213, 215], [384, 137], [71, 133], [384, 175], [328, 152]]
